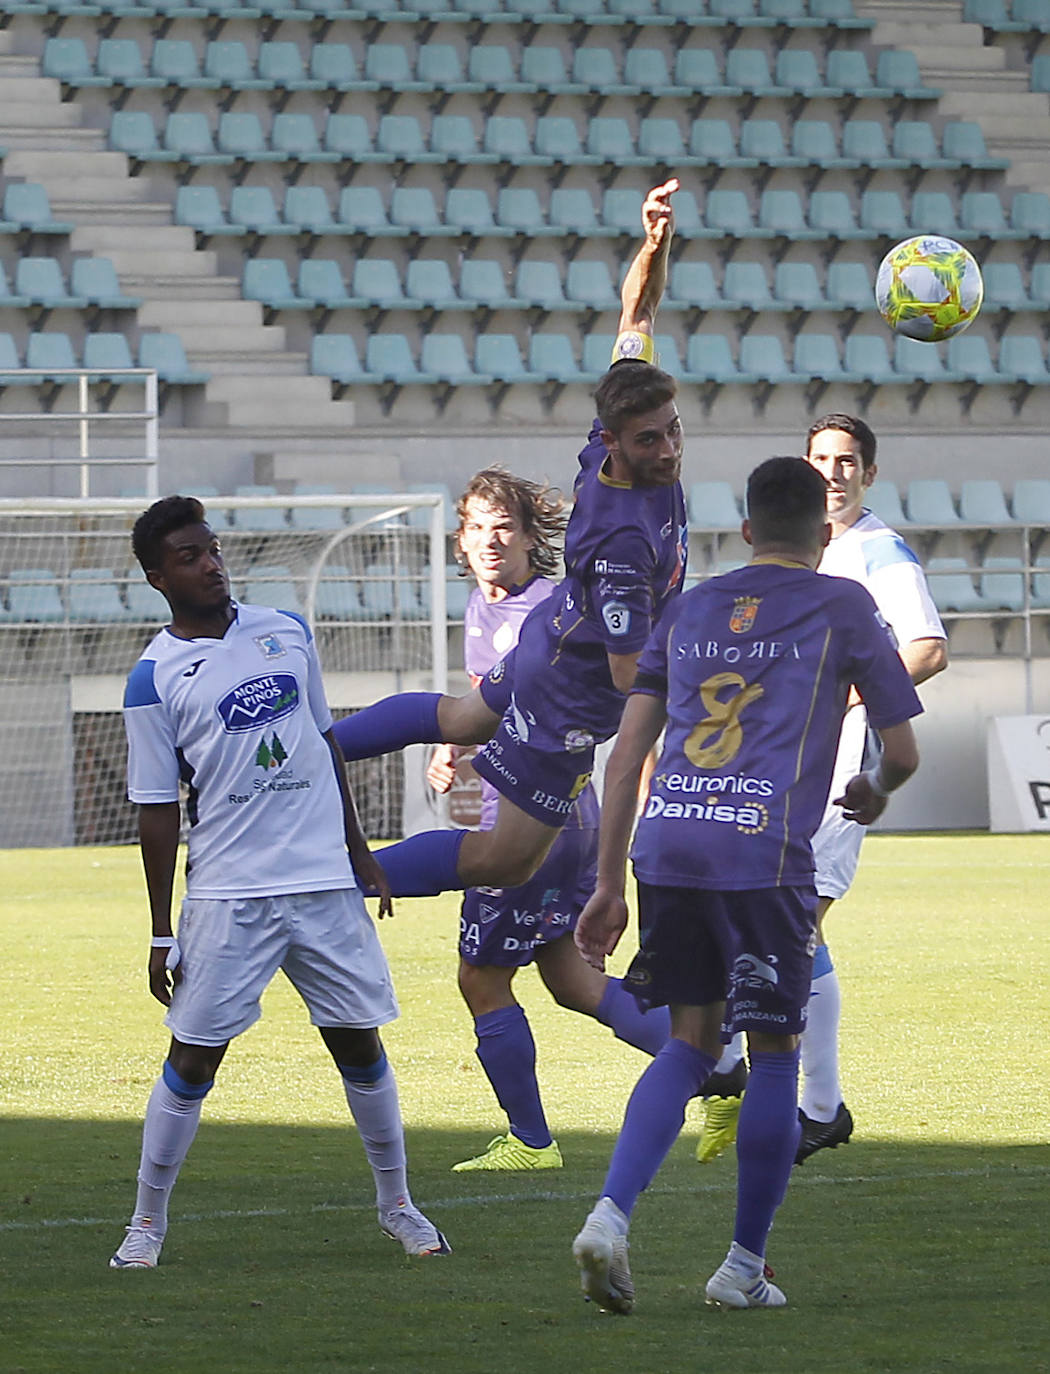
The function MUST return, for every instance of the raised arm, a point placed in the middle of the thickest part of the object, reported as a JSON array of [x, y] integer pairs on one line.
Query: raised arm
[[646, 279]]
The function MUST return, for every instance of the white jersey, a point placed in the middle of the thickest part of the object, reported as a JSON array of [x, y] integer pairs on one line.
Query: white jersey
[[871, 553], [240, 721]]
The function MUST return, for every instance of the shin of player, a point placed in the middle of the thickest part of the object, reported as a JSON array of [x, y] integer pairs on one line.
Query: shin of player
[[722, 855]]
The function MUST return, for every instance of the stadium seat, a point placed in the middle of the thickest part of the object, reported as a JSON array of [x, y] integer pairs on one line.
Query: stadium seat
[[320, 281], [518, 208], [293, 137], [883, 499], [307, 211], [816, 357], [867, 359], [1001, 583], [267, 280], [897, 70], [727, 212], [400, 139], [280, 65], [933, 212], [746, 284], [94, 597], [590, 284], [453, 138], [552, 357], [335, 66], [597, 351], [864, 142], [1040, 597], [780, 212], [377, 281], [165, 354], [915, 142], [228, 63], [429, 281], [483, 281], [53, 350], [469, 212], [981, 502], [796, 70], [338, 595], [41, 282], [748, 69], [11, 373], [952, 587], [981, 214], [66, 60], [797, 285], [8, 297], [1031, 501], [271, 584], [621, 211], [95, 281], [692, 284], [1004, 287], [660, 140], [419, 517], [26, 207], [763, 140], [538, 283], [315, 517], [145, 604], [850, 285], [120, 61], [647, 69], [572, 212], [201, 209], [413, 209], [240, 137], [544, 67], [174, 61], [831, 216], [918, 361], [713, 506], [252, 210], [439, 66], [709, 358], [188, 138], [361, 209], [106, 353], [491, 68], [882, 214], [713, 141], [335, 356], [1030, 215], [610, 139], [762, 355], [968, 357], [557, 140], [33, 596], [930, 503], [697, 69], [498, 356], [1024, 356], [388, 358]]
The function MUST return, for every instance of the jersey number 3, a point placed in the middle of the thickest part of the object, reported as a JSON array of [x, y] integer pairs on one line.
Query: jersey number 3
[[717, 738]]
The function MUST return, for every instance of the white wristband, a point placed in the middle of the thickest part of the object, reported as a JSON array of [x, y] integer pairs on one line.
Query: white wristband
[[171, 944], [876, 782]]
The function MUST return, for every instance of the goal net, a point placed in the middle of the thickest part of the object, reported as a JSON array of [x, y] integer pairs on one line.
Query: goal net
[[370, 573]]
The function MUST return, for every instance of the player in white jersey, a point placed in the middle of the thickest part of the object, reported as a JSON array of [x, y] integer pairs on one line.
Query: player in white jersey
[[227, 701]]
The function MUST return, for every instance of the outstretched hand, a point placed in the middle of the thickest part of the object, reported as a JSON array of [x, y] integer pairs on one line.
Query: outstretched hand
[[602, 922], [860, 802], [657, 215]]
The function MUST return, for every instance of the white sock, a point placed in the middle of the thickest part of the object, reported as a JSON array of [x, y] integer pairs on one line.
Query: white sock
[[167, 1134], [731, 1055], [377, 1113], [822, 1091], [746, 1261]]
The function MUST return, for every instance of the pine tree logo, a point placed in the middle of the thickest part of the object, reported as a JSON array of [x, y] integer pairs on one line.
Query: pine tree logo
[[270, 755]]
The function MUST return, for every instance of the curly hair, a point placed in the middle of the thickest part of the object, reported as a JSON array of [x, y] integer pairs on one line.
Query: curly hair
[[154, 525], [539, 507]]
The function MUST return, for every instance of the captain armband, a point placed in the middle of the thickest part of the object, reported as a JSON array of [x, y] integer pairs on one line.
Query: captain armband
[[633, 344]]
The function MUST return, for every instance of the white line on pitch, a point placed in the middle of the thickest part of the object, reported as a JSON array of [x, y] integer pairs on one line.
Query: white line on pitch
[[486, 1199]]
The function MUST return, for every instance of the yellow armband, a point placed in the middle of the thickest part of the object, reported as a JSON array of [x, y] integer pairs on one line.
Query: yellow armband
[[631, 343]]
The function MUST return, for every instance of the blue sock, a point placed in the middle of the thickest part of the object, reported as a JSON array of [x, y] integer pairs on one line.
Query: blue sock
[[766, 1142], [654, 1117], [508, 1055], [423, 865], [623, 1014], [410, 718]]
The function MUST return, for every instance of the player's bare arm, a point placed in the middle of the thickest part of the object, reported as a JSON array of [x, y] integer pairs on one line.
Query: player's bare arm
[[159, 844], [866, 795], [366, 866], [604, 918], [466, 719], [924, 658], [623, 668], [646, 278]]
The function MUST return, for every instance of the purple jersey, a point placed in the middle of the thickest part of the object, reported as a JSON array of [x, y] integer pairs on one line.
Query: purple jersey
[[755, 667], [625, 549], [491, 630]]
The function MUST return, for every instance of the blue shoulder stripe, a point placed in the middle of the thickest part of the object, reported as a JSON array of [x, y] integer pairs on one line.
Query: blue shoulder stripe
[[141, 690], [294, 615], [884, 550]]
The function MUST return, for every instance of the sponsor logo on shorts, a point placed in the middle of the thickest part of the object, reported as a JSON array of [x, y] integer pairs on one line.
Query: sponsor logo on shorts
[[487, 914], [259, 701], [557, 806], [270, 646], [750, 971], [496, 673], [577, 740]]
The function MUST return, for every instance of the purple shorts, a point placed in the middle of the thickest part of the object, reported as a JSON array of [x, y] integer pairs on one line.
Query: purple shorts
[[544, 785], [505, 925], [752, 949]]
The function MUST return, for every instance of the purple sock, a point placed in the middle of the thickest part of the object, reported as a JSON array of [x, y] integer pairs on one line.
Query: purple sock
[[654, 1117], [622, 1013], [766, 1142], [423, 865], [410, 718], [508, 1055]]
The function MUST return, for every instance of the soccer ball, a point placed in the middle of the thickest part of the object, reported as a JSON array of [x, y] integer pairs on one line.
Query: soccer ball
[[929, 288]]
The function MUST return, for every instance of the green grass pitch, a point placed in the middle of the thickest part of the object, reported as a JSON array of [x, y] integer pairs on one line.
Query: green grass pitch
[[921, 1247]]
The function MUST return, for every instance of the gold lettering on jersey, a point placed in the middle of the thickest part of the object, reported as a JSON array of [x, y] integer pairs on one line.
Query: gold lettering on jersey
[[721, 725]]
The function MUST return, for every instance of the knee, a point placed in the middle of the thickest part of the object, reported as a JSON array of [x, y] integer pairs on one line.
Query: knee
[[195, 1064], [352, 1048]]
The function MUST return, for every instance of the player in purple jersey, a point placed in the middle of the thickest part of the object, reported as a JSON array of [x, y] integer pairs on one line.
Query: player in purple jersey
[[545, 707], [228, 700], [750, 674], [507, 529]]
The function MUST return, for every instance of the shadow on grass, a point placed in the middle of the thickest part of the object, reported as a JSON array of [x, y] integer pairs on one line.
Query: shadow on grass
[[903, 1257]]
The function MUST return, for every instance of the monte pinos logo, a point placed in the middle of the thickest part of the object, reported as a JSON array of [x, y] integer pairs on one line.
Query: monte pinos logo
[[259, 701]]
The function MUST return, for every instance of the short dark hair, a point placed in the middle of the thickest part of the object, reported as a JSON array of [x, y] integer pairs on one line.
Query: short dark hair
[[851, 425], [786, 500], [154, 525], [538, 506], [631, 388]]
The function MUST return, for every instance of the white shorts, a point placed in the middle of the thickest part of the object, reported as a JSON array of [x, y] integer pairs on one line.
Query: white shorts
[[324, 941], [836, 845]]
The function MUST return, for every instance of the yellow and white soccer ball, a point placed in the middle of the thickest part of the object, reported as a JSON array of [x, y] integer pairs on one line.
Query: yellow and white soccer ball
[[929, 288]]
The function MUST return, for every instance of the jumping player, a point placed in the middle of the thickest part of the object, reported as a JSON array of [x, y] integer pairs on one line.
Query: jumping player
[[508, 528], [562, 690], [750, 674], [228, 700]]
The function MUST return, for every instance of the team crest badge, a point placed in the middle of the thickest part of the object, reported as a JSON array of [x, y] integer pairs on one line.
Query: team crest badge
[[745, 608], [270, 646]]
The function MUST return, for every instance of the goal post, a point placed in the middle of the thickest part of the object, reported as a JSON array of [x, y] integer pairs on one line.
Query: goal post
[[369, 573]]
